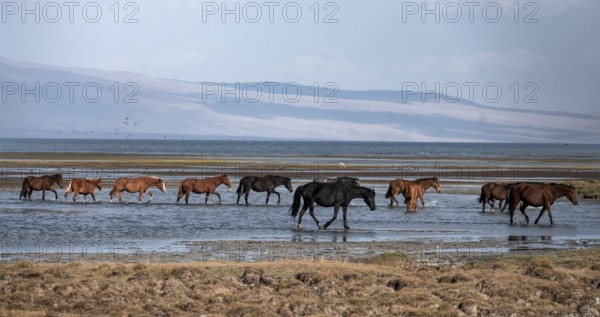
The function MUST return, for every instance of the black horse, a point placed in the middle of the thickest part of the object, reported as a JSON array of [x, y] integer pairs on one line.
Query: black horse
[[261, 184], [348, 180], [338, 194]]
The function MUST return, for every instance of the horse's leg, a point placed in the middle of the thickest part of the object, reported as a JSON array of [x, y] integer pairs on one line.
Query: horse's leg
[[246, 196], [218, 195], [75, 193], [93, 197], [206, 199], [187, 196], [492, 203], [345, 213], [549, 207], [422, 200], [149, 196], [503, 204], [299, 225], [43, 194], [121, 197], [55, 194], [312, 213], [540, 215], [278, 196], [336, 209], [523, 206], [268, 195], [84, 198]]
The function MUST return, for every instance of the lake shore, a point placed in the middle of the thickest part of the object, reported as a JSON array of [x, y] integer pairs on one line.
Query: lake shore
[[466, 172]]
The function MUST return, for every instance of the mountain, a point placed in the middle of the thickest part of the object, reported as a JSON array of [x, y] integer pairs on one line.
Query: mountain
[[89, 103]]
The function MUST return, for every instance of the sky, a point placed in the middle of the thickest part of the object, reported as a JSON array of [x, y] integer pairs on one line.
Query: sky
[[540, 55]]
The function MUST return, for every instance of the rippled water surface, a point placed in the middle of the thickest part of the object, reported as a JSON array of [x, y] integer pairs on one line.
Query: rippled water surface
[[166, 226]]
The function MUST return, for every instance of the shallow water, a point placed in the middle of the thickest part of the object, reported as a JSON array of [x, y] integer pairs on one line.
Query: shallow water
[[55, 226]]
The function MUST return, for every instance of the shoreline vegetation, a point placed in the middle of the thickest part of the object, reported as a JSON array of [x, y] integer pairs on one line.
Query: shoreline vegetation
[[562, 283]]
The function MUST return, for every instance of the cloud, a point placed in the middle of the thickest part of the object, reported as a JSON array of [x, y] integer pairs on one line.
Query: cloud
[[312, 66], [488, 62]]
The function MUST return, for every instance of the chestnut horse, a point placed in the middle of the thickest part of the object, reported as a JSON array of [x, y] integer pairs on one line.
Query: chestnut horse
[[411, 196], [200, 186], [539, 195], [397, 186], [132, 185], [498, 191], [43, 183], [83, 186]]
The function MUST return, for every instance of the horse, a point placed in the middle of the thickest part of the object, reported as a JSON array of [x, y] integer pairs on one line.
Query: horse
[[491, 191], [411, 196], [261, 184], [338, 194], [132, 185], [83, 186], [539, 195], [200, 186], [43, 183], [397, 186], [349, 180]]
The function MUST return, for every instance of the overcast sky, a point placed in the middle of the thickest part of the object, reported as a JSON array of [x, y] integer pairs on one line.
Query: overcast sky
[[551, 48]]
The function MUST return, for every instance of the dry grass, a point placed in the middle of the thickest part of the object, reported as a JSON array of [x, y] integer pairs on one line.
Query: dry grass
[[389, 284]]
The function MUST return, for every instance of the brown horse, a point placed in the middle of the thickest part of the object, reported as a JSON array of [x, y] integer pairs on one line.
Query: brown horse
[[43, 183], [200, 186], [498, 191], [83, 186], [397, 186], [133, 185], [411, 196], [539, 195]]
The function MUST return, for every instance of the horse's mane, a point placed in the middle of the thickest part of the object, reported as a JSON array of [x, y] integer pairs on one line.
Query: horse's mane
[[425, 179], [216, 176]]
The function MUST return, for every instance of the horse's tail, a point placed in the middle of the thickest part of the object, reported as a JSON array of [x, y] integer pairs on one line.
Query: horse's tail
[[181, 191], [25, 188], [481, 196], [69, 189], [389, 192], [297, 200], [512, 195], [240, 187]]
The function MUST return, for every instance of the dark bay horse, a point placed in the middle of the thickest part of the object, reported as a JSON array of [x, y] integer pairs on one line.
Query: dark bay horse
[[199, 186], [83, 186], [494, 191], [262, 184], [338, 194], [539, 195], [43, 183], [349, 180], [411, 196], [397, 186], [133, 185]]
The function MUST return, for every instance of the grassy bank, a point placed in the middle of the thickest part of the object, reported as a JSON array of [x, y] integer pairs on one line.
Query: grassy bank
[[389, 284]]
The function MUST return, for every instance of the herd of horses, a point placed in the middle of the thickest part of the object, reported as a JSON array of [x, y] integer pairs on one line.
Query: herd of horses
[[337, 192]]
